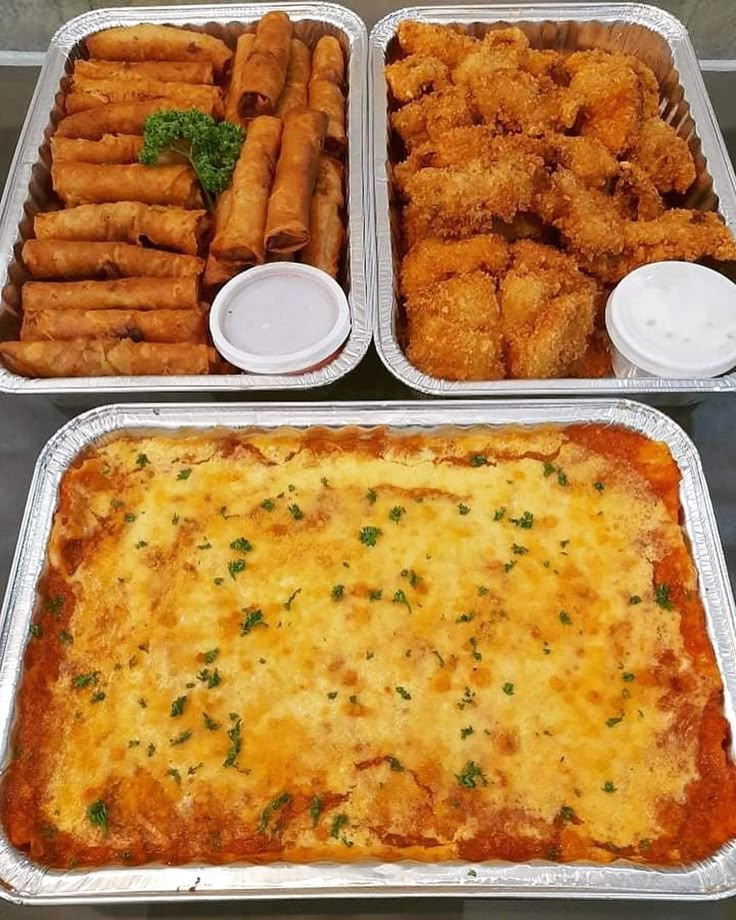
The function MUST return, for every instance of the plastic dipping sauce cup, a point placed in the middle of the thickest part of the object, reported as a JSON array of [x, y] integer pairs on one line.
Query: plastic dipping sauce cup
[[672, 319], [280, 318]]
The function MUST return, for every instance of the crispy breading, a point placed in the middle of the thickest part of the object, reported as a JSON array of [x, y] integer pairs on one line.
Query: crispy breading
[[500, 49], [592, 163], [442, 42], [635, 195], [587, 219], [678, 234], [415, 76], [595, 361], [435, 259], [664, 156], [547, 312], [454, 329], [429, 117]]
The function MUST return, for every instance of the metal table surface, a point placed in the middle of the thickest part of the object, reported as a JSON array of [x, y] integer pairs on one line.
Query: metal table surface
[[26, 423]]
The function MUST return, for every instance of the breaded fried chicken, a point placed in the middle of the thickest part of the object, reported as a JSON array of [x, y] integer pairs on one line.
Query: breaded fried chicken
[[635, 195], [664, 156], [500, 49], [429, 117], [414, 76], [454, 329], [441, 42], [434, 260], [592, 163]]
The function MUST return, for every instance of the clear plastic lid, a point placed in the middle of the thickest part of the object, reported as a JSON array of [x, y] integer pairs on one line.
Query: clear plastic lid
[[279, 318], [675, 319]]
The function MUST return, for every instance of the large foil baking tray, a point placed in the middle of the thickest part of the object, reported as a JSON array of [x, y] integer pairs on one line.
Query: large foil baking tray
[[28, 188], [24, 881], [653, 35]]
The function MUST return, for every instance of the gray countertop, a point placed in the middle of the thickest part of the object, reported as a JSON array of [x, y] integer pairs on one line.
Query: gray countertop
[[26, 423]]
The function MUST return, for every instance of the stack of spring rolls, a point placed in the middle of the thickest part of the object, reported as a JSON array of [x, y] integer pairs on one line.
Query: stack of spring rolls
[[286, 196], [115, 277]]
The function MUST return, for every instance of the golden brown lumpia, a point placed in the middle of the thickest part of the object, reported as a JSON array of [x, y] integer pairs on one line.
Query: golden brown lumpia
[[110, 149], [164, 71], [295, 92], [56, 259], [244, 212], [117, 118], [265, 70], [326, 229], [102, 358], [327, 97], [121, 294], [287, 221], [148, 42], [128, 222], [235, 89], [91, 94], [328, 62], [87, 183], [218, 271], [152, 326]]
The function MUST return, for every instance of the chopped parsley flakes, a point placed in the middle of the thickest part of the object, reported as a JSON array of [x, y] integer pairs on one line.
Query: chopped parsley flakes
[[369, 535]]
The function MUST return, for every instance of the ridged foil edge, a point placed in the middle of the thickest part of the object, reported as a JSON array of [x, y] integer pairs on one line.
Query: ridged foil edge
[[706, 124], [359, 232], [23, 882]]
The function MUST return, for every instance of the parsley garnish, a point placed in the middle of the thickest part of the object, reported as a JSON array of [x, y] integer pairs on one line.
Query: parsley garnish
[[478, 460], [296, 512], [338, 592], [396, 513], [634, 599], [35, 631], [142, 460], [614, 720], [466, 732], [85, 680], [129, 518], [600, 486], [518, 550], [141, 543], [97, 815], [174, 774], [499, 513], [210, 724], [184, 474], [268, 504], [177, 707], [550, 468], [371, 496], [608, 786], [332, 695], [526, 521], [151, 750], [65, 638], [252, 619], [567, 813], [375, 594], [395, 764], [662, 596], [369, 535], [475, 653], [467, 699], [234, 736], [54, 604], [223, 513], [218, 581], [98, 696], [403, 693], [400, 598], [627, 676], [470, 773], [174, 519], [209, 657], [241, 545], [235, 567], [508, 688], [338, 822], [291, 598], [315, 809], [463, 509], [507, 566], [565, 617], [353, 699], [273, 806], [211, 678], [466, 617], [180, 738], [134, 743], [482, 591]]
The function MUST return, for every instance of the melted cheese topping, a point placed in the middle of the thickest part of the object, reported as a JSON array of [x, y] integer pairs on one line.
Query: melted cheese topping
[[339, 645]]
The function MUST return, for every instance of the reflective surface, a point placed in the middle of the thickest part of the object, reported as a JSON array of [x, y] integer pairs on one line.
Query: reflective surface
[[26, 423]]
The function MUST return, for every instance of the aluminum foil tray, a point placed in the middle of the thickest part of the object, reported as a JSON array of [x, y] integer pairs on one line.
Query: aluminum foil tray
[[28, 188], [26, 882], [649, 33]]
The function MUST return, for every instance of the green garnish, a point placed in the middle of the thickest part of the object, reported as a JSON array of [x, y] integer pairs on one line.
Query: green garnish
[[129, 518], [338, 822], [518, 550], [209, 657], [371, 496], [662, 596], [467, 699], [396, 513], [184, 474], [608, 786], [65, 638], [141, 543], [375, 594], [252, 619], [218, 581], [177, 707], [97, 815], [463, 509], [507, 566], [332, 695], [400, 598], [174, 519], [241, 545], [174, 774], [550, 468], [438, 657], [403, 693], [478, 460], [466, 732], [291, 598], [85, 680], [634, 599], [180, 738], [353, 699], [210, 724], [54, 604], [567, 813], [192, 770], [614, 720], [273, 806], [508, 688], [315, 810], [134, 743], [142, 460], [234, 736], [98, 696], [369, 535], [627, 676], [600, 486], [151, 750], [338, 592], [475, 653], [212, 148], [268, 504], [142, 702], [222, 511], [470, 773], [482, 591], [36, 631], [395, 764], [296, 512], [499, 513], [466, 617], [526, 521], [565, 617], [235, 567], [211, 678]]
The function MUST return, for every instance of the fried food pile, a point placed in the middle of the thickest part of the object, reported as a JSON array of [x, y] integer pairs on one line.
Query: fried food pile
[[531, 181]]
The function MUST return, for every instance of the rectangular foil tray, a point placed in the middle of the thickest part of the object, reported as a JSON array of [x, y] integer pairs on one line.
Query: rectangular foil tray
[[26, 882], [653, 35], [28, 187]]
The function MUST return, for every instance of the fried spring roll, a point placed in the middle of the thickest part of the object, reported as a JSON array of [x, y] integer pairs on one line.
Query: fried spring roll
[[148, 42], [218, 271], [118, 118], [326, 229], [91, 94], [326, 96], [102, 358], [287, 221], [152, 326], [109, 150], [295, 92], [163, 71], [127, 222], [328, 62], [120, 294], [55, 259], [235, 89], [265, 70], [244, 212], [87, 183]]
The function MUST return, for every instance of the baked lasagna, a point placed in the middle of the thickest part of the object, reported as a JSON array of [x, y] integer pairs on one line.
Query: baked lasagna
[[478, 644]]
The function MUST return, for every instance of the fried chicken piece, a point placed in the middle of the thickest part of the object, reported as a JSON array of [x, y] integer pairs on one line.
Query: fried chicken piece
[[442, 42], [454, 329], [431, 116], [547, 312], [664, 156], [461, 202], [635, 195], [592, 163], [678, 234], [500, 49], [615, 92], [524, 226], [596, 359], [415, 75], [434, 260], [586, 218], [546, 63]]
